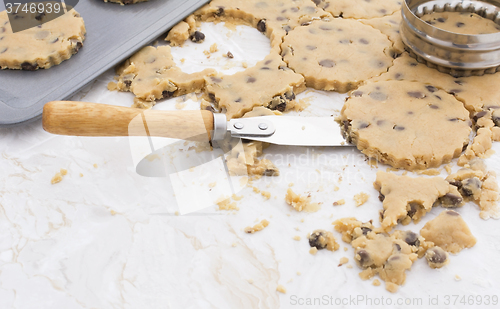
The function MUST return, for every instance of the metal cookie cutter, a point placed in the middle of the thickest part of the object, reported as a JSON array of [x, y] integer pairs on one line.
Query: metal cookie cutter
[[453, 53]]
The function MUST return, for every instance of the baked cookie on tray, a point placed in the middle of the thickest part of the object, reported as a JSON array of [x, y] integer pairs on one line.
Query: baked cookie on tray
[[407, 125], [43, 46], [337, 55]]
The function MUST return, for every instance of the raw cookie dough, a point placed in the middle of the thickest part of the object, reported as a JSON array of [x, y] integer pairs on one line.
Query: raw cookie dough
[[406, 198], [300, 202], [404, 124], [389, 25], [269, 83], [477, 184], [43, 46], [337, 55], [437, 257], [151, 74], [125, 1], [461, 22], [449, 231], [359, 8], [389, 256], [258, 227], [242, 159], [321, 239], [273, 18]]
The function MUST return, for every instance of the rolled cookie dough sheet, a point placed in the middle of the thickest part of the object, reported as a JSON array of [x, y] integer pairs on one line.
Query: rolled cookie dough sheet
[[275, 18], [43, 46], [337, 55], [407, 199], [270, 83], [407, 125], [358, 9]]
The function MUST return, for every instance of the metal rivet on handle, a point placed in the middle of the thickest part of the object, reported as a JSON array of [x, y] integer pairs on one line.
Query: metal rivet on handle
[[238, 125], [263, 126]]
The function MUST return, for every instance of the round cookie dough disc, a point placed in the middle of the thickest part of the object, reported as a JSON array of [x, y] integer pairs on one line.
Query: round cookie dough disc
[[43, 46], [461, 22], [407, 125], [337, 55], [359, 8]]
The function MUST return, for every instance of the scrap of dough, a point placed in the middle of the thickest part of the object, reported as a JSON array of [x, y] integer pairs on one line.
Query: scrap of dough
[[477, 184], [151, 74], [406, 198], [449, 231], [376, 252], [269, 83], [321, 239], [258, 227], [359, 8], [43, 46], [437, 257], [299, 202], [337, 55], [408, 125], [360, 198]]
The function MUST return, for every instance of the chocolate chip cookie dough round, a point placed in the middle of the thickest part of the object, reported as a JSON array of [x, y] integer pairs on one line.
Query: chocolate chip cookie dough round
[[125, 1], [461, 22], [359, 8], [337, 55], [407, 125], [43, 46]]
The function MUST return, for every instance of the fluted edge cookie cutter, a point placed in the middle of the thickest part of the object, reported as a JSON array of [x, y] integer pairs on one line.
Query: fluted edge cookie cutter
[[453, 53]]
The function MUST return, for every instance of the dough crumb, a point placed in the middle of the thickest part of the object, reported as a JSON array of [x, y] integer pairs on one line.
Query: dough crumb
[[343, 261], [360, 198], [112, 86], [448, 169], [225, 203], [376, 282], [313, 250], [296, 237], [236, 197], [58, 177], [258, 227], [349, 266], [177, 213], [281, 289], [214, 48], [336, 188], [212, 184], [458, 278], [266, 194], [244, 64], [250, 281], [298, 273], [81, 175], [256, 190], [95, 165], [321, 239], [339, 202], [300, 203], [112, 212]]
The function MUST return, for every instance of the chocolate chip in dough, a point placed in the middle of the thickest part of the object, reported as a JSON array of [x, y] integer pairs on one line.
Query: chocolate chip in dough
[[327, 63], [261, 25], [29, 66], [315, 240], [411, 238], [197, 37]]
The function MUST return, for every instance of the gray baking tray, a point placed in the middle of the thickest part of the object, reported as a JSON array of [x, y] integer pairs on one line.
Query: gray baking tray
[[114, 32]]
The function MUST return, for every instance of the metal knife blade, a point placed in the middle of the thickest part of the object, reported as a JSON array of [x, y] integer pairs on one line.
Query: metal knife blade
[[284, 130]]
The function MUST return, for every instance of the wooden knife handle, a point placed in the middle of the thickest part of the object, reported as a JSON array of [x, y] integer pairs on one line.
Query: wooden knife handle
[[91, 119]]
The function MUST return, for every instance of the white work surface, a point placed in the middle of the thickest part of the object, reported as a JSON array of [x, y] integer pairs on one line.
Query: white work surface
[[111, 238]]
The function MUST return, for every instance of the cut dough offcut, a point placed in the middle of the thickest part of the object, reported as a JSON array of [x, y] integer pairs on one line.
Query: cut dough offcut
[[273, 18], [461, 22], [406, 198], [43, 46], [376, 252], [359, 8], [269, 83], [449, 231], [151, 74], [337, 55], [404, 124], [321, 239]]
